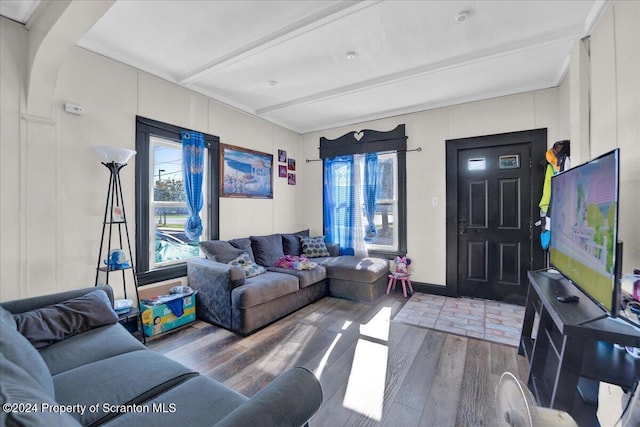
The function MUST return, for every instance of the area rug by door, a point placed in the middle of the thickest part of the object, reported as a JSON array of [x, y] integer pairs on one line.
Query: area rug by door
[[476, 318]]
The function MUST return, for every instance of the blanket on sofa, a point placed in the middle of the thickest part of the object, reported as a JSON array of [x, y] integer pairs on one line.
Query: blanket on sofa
[[294, 262]]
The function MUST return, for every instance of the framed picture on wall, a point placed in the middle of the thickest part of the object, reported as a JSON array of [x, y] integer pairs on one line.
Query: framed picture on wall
[[282, 171], [282, 156], [292, 164], [245, 173], [292, 179]]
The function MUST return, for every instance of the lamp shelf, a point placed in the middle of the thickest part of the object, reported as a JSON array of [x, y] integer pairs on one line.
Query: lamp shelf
[[110, 270]]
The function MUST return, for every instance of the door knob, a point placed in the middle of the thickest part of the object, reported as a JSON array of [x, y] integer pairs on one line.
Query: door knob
[[462, 226]]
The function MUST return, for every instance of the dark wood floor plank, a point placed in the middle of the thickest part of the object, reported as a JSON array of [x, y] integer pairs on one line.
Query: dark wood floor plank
[[400, 416], [427, 378], [442, 403], [477, 403], [416, 387], [401, 360], [375, 371]]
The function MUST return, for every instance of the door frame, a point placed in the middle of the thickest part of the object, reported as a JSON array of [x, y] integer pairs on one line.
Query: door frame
[[538, 140]]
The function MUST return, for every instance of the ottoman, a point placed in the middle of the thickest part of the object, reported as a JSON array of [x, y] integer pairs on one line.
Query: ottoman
[[356, 278]]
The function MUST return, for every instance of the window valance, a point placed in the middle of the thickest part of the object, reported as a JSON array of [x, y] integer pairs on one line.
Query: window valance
[[365, 141]]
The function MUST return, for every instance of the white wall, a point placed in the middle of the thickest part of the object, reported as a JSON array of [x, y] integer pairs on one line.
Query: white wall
[[426, 237], [54, 188], [12, 72], [596, 106], [615, 111]]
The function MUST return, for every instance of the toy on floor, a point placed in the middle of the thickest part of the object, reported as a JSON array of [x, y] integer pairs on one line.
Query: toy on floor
[[402, 264]]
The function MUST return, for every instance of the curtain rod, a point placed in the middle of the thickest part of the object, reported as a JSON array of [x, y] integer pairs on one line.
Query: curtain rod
[[398, 151]]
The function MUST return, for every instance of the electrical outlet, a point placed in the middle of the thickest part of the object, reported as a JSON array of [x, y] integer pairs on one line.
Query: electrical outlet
[[434, 201]]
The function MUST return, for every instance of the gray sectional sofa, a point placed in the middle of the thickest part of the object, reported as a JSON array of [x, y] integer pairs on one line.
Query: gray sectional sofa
[[227, 297], [66, 361]]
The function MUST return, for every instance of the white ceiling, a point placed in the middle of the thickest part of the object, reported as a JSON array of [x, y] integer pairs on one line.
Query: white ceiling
[[410, 55]]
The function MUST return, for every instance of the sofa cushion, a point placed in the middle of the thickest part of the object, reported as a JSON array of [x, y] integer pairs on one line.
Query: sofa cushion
[[7, 320], [291, 242], [249, 267], [19, 387], [356, 269], [127, 378], [334, 249], [199, 401], [314, 247], [263, 288], [305, 277], [245, 245], [47, 325], [17, 349], [267, 249], [89, 347], [219, 250]]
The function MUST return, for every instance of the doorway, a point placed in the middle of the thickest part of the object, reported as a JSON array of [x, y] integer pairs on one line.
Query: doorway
[[494, 183]]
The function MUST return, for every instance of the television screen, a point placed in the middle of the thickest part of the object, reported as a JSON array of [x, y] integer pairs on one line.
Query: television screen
[[584, 219]]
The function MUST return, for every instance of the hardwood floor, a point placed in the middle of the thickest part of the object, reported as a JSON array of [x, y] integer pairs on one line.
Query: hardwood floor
[[373, 371]]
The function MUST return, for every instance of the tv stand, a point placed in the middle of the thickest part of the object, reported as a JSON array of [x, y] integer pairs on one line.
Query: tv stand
[[573, 340]]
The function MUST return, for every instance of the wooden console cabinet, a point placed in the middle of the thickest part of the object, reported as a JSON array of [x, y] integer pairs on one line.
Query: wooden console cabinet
[[574, 341]]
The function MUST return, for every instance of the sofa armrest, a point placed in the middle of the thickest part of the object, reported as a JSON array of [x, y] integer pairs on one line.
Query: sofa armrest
[[289, 400], [33, 303], [214, 282]]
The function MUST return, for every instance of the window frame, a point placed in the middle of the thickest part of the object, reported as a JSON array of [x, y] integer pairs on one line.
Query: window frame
[[401, 184], [144, 129], [393, 202]]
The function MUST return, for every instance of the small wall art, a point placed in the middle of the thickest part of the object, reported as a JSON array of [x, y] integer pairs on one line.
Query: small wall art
[[292, 164], [282, 156], [282, 171], [292, 179]]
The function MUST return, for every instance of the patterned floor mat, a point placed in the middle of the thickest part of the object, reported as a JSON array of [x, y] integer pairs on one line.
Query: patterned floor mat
[[476, 318]]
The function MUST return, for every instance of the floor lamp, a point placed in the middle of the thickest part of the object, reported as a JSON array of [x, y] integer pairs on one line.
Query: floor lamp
[[115, 258]]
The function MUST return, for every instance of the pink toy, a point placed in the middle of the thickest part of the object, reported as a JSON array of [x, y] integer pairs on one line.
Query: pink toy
[[402, 264]]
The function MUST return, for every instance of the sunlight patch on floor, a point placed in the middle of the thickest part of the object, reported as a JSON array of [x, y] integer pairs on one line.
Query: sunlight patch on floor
[[346, 325], [365, 388], [325, 357], [378, 327]]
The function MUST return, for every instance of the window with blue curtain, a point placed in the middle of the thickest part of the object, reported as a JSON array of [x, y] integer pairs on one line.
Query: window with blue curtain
[[375, 212], [338, 202], [177, 174]]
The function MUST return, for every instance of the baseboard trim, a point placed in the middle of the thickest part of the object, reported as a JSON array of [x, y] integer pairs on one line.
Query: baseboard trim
[[430, 288]]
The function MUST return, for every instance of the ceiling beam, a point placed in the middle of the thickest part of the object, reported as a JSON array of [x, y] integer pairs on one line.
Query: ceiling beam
[[295, 29], [563, 36]]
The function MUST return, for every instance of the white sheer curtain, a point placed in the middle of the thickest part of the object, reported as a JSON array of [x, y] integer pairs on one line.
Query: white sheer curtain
[[358, 198]]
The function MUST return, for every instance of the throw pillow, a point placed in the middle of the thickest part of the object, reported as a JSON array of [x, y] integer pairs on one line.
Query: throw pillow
[[314, 247], [291, 242], [47, 325], [243, 244], [219, 250], [249, 267], [267, 249]]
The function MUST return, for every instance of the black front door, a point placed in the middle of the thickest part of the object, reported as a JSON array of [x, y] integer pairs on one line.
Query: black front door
[[494, 211]]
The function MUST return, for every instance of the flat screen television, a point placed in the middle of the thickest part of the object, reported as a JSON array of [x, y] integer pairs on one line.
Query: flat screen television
[[584, 228]]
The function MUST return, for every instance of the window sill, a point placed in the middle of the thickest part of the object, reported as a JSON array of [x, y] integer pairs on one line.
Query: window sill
[[387, 254], [161, 274]]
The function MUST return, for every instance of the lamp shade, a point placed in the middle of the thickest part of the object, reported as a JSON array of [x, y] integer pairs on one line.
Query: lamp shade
[[114, 154]]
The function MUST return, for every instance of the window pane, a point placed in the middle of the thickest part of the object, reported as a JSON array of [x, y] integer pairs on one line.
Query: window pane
[[169, 244], [386, 238]]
